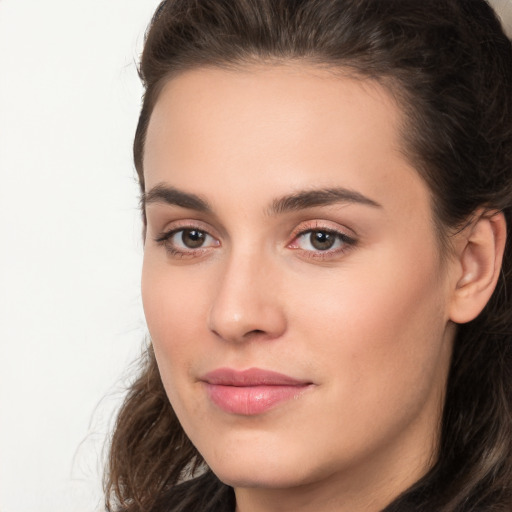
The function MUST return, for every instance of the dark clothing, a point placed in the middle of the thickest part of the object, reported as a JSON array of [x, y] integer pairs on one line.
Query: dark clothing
[[205, 493]]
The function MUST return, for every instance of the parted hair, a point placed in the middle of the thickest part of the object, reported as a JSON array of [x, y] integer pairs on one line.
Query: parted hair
[[449, 65]]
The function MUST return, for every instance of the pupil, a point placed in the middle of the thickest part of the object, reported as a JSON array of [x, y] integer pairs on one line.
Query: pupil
[[192, 238], [322, 240]]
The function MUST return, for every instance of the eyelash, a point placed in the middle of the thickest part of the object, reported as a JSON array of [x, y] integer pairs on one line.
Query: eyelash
[[346, 241], [165, 240]]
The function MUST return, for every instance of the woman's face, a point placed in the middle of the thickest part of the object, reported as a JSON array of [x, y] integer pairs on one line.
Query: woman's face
[[292, 281]]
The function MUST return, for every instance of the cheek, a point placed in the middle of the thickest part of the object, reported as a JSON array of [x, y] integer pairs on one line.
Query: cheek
[[379, 329], [175, 306]]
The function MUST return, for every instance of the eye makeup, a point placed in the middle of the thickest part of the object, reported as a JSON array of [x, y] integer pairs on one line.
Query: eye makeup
[[315, 239]]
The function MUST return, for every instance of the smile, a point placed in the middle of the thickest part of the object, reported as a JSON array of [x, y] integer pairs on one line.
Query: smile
[[251, 392]]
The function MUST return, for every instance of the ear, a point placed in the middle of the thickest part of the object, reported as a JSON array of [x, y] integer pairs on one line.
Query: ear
[[479, 256]]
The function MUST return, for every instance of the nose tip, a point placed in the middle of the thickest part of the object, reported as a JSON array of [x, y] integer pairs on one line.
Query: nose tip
[[246, 306], [241, 321], [239, 331]]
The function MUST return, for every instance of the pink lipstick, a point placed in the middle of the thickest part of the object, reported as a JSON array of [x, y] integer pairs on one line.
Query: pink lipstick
[[251, 391]]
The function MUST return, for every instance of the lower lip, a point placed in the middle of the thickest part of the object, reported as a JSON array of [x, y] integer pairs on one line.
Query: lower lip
[[252, 400]]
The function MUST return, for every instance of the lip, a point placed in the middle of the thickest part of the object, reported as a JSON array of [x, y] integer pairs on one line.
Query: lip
[[251, 392]]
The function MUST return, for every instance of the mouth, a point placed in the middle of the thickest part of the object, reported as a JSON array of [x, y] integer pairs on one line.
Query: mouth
[[253, 391]]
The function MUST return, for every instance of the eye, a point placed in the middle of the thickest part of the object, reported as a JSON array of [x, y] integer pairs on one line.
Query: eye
[[322, 242], [189, 238], [319, 240], [186, 241]]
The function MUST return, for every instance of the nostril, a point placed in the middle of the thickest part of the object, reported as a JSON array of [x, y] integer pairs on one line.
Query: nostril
[[255, 331]]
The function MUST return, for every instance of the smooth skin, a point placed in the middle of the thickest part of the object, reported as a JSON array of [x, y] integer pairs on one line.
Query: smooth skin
[[244, 267]]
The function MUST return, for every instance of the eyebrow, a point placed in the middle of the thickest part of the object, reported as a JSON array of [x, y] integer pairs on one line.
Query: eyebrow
[[170, 195], [319, 197], [300, 200]]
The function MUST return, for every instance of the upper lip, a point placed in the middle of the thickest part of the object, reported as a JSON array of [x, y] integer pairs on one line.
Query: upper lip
[[250, 377]]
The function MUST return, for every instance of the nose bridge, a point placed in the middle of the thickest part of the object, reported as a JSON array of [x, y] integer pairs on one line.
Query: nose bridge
[[247, 299]]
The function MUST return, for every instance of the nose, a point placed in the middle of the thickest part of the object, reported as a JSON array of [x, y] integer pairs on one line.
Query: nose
[[247, 303]]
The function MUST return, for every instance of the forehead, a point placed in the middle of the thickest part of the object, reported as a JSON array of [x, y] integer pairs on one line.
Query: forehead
[[217, 130]]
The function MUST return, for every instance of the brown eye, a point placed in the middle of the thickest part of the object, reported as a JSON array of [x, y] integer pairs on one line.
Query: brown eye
[[322, 243], [193, 238], [322, 240], [186, 241]]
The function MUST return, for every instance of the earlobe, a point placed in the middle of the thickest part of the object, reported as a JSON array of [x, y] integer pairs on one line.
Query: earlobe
[[479, 257]]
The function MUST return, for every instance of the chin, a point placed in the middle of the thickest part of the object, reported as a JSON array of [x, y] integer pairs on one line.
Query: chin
[[250, 475], [261, 465]]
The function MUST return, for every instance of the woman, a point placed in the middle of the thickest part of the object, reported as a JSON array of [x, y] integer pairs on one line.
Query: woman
[[326, 188]]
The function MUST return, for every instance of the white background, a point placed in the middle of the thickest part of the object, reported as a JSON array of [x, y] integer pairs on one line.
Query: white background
[[70, 250], [71, 320]]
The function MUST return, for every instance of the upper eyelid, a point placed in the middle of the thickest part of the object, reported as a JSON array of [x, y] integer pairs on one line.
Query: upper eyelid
[[180, 224], [323, 225], [158, 216]]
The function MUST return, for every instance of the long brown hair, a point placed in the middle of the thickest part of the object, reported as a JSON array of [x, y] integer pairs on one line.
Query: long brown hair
[[450, 65]]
